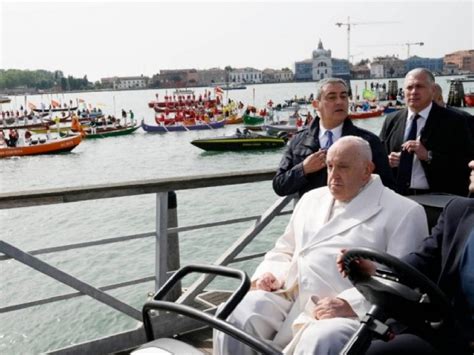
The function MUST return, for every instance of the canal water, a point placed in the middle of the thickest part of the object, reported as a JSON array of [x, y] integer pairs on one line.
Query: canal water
[[139, 156]]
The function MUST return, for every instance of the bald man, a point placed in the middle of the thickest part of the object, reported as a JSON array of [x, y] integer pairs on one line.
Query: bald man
[[299, 302]]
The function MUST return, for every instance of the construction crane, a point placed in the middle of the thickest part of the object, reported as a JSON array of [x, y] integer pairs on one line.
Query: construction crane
[[348, 24], [408, 44], [412, 44]]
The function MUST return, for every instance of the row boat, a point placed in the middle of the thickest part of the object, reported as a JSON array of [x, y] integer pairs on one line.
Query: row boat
[[181, 128], [111, 131], [54, 146]]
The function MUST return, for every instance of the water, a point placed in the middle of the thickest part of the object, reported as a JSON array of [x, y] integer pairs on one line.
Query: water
[[136, 157]]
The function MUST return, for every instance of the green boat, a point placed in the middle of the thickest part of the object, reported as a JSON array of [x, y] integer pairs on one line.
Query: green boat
[[253, 120], [111, 131], [108, 131]]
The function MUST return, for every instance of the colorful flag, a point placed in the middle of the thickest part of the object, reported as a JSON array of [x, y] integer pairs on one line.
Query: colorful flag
[[368, 94], [218, 90], [55, 103]]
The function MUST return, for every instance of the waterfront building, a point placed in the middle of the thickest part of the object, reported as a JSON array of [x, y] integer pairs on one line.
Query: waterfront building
[[175, 78], [322, 63], [388, 66], [245, 75], [376, 70], [340, 68], [435, 65], [208, 77], [125, 82], [304, 70], [276, 75], [450, 69], [360, 72], [464, 60]]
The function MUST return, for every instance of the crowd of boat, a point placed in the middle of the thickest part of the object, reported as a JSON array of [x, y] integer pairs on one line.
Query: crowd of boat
[[60, 128]]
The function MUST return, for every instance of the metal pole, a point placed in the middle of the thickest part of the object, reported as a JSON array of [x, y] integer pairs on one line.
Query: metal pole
[[161, 239]]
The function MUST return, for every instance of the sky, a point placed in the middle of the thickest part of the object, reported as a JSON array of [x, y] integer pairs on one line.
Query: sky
[[110, 38]]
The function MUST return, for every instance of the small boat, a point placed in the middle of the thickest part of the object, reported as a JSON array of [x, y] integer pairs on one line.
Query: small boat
[[5, 100], [274, 129], [233, 86], [390, 109], [181, 127], [469, 99], [366, 114], [253, 120], [56, 109], [110, 131], [233, 119], [59, 145], [239, 141]]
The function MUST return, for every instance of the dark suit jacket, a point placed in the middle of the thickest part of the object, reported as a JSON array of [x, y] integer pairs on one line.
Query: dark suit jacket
[[447, 135], [440, 254], [290, 178]]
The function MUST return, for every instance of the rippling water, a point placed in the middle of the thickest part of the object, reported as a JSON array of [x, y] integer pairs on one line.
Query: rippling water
[[136, 157]]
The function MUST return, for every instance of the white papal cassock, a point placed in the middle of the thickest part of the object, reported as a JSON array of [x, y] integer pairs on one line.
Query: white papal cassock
[[304, 260]]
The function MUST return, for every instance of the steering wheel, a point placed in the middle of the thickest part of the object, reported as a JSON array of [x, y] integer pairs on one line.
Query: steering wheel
[[403, 293]]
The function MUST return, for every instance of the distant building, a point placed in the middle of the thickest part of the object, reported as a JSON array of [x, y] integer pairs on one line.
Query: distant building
[[376, 70], [450, 69], [463, 59], [435, 65], [245, 75], [277, 76], [340, 68], [322, 63], [360, 72], [125, 82], [211, 76], [304, 70], [389, 66], [178, 78]]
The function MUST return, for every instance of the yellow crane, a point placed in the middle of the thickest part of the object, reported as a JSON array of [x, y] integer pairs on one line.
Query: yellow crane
[[349, 24]]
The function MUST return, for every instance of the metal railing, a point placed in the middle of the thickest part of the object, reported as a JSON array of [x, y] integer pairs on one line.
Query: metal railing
[[165, 227]]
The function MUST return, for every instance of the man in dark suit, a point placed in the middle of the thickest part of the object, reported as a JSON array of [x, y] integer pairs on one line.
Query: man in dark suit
[[429, 146], [303, 166], [447, 258]]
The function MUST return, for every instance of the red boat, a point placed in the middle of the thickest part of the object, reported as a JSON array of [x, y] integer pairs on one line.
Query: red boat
[[469, 99], [366, 114]]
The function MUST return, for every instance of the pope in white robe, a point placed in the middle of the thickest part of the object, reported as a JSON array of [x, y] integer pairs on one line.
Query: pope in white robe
[[354, 210]]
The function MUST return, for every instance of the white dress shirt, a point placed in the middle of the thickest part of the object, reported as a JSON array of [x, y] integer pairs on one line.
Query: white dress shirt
[[418, 177], [323, 137]]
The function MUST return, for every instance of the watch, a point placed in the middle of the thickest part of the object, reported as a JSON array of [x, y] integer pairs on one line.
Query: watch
[[430, 157]]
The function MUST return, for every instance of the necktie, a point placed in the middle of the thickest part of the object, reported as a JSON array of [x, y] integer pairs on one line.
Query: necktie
[[406, 161], [329, 142]]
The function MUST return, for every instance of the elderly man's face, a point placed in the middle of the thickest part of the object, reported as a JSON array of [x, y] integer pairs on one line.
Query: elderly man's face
[[347, 172], [333, 105], [418, 91], [471, 186]]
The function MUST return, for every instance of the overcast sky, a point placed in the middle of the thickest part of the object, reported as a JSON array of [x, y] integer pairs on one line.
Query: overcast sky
[[108, 38]]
